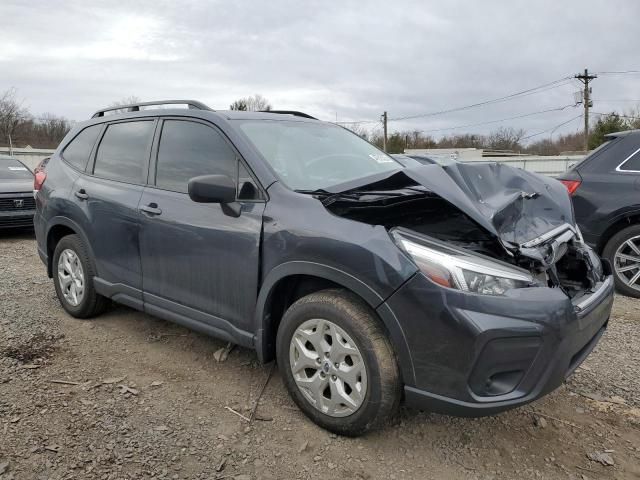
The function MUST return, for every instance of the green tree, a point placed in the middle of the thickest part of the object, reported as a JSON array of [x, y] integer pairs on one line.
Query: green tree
[[606, 124]]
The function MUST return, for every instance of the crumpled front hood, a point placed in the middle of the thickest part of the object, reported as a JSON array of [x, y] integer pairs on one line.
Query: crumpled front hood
[[515, 205]]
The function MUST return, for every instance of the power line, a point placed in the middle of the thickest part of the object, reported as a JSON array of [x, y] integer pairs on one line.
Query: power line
[[498, 121], [357, 122], [531, 91], [619, 72], [552, 129], [547, 86], [620, 100]]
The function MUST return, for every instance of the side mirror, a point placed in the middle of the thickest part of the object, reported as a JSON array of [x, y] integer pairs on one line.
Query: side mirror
[[216, 189], [212, 189]]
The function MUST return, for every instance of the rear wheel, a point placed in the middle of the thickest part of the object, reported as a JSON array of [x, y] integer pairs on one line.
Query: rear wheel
[[623, 251], [73, 273], [337, 362]]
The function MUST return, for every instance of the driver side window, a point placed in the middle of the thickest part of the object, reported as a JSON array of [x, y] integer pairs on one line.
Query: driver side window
[[189, 149]]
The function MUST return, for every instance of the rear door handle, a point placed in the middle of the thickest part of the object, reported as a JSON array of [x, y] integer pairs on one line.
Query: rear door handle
[[81, 194], [151, 209]]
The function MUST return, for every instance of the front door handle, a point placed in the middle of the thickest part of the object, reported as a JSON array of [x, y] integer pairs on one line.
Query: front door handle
[[151, 209], [81, 194]]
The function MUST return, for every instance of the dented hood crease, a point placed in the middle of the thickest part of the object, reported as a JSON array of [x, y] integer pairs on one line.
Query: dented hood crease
[[515, 205]]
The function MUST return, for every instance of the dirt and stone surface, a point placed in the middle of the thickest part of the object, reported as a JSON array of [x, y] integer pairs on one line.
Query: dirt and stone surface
[[128, 396]]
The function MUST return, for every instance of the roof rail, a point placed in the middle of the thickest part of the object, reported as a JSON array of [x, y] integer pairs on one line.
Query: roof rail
[[290, 112], [135, 107]]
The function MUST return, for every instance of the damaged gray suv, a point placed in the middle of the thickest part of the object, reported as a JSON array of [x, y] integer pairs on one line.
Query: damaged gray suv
[[464, 289]]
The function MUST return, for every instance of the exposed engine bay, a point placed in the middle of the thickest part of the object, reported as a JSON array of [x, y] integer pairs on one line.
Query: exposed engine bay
[[519, 223]]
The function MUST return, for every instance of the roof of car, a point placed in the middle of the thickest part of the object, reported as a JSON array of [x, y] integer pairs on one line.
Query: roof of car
[[194, 105], [282, 115], [624, 133], [11, 159]]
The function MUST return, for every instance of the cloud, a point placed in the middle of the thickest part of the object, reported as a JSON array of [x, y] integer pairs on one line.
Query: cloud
[[349, 59]]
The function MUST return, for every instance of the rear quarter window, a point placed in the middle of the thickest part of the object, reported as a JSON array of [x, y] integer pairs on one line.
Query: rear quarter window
[[78, 150], [631, 164], [608, 156]]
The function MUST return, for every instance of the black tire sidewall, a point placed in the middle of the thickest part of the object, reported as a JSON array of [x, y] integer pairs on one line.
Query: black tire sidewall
[[361, 420], [86, 307], [609, 253]]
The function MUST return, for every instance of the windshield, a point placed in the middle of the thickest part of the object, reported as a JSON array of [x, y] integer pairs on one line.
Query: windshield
[[12, 170], [311, 156]]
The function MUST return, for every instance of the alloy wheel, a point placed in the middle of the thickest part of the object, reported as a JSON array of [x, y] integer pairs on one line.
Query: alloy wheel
[[328, 367], [71, 277], [627, 262]]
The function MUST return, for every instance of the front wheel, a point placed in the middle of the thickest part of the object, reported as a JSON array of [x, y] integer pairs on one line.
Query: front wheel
[[623, 251], [337, 362]]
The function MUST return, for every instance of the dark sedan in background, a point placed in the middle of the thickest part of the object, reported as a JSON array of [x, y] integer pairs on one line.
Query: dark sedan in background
[[605, 188], [17, 205]]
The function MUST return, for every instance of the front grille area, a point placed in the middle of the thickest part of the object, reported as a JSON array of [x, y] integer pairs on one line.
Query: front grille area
[[16, 222], [17, 204]]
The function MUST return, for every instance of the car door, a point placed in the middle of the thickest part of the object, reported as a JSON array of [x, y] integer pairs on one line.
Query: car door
[[197, 261], [109, 195]]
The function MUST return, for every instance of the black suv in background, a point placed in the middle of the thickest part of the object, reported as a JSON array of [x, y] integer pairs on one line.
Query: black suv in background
[[463, 288], [605, 188]]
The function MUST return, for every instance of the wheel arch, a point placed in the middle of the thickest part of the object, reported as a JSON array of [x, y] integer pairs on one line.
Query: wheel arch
[[292, 280], [620, 223], [57, 228]]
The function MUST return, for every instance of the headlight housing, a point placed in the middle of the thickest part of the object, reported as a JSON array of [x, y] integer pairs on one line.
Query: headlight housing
[[460, 269]]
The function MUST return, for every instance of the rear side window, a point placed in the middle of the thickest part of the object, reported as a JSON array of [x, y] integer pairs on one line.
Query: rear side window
[[78, 151], [632, 164], [123, 151], [189, 149]]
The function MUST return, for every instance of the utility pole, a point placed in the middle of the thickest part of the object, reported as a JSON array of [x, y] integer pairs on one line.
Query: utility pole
[[586, 100], [384, 127]]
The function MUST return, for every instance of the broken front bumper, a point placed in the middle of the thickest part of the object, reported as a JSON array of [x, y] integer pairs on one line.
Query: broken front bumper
[[474, 355]]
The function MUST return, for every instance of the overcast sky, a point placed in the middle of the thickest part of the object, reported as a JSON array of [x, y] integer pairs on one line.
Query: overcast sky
[[348, 59]]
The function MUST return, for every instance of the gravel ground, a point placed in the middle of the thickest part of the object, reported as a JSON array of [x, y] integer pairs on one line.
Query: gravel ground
[[127, 396]]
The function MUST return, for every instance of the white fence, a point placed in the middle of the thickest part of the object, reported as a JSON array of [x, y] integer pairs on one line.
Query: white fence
[[547, 165], [551, 166]]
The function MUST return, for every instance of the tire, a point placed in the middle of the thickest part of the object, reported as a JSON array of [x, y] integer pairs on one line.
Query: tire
[[374, 397], [90, 303], [617, 244]]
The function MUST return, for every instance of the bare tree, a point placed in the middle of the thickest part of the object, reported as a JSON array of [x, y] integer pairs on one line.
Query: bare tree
[[52, 128], [357, 129], [506, 138], [11, 115], [124, 101], [255, 103]]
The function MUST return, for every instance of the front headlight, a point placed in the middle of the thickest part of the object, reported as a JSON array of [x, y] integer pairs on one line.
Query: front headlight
[[460, 269]]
